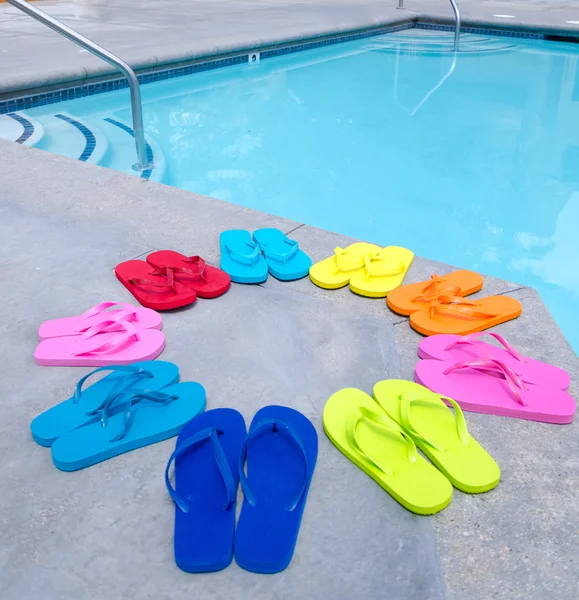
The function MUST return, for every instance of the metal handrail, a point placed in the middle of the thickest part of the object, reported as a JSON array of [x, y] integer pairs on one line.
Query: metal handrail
[[143, 161], [456, 24], [456, 21]]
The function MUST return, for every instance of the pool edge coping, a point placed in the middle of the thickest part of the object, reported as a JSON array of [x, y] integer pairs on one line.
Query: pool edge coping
[[85, 81]]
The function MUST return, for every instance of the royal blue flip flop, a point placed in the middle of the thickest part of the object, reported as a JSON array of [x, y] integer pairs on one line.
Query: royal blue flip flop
[[285, 260], [281, 450], [148, 418], [84, 405], [206, 480], [240, 257]]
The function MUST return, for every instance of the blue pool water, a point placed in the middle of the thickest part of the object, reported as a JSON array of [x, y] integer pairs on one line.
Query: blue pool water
[[383, 139]]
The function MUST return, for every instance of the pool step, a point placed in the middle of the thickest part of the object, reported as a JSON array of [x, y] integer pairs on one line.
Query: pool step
[[123, 155], [437, 42], [69, 136], [104, 140], [18, 127]]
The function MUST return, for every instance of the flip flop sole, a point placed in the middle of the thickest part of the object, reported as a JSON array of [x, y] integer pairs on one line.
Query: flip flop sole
[[203, 539], [505, 307], [58, 352]]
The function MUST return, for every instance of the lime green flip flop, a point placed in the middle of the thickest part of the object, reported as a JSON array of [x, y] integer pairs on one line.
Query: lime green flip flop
[[361, 430], [440, 434]]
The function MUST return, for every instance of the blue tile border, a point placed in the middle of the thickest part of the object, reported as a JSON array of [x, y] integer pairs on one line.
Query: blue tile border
[[483, 31], [26, 124], [146, 174], [88, 136], [24, 102], [82, 91]]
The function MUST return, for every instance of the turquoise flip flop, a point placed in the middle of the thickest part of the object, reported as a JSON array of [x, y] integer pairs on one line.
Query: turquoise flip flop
[[149, 417], [240, 257], [285, 260], [84, 406]]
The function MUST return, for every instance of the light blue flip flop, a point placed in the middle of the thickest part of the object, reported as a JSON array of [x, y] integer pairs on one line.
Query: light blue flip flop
[[149, 417], [240, 257], [285, 260], [82, 408]]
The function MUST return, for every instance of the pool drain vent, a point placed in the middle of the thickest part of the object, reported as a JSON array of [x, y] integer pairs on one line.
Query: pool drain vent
[[253, 58]]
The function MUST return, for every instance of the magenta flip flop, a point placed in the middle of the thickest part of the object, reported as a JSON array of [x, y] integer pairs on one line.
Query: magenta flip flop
[[455, 348], [491, 387], [141, 318], [98, 347]]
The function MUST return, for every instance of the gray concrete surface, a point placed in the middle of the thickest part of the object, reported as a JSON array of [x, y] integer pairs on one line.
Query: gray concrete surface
[[106, 532], [149, 35]]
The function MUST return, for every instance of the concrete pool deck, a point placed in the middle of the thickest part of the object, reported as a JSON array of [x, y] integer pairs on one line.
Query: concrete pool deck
[[150, 35], [106, 532]]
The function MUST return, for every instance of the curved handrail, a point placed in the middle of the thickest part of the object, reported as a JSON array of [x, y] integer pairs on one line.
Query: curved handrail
[[456, 24], [457, 21], [143, 161]]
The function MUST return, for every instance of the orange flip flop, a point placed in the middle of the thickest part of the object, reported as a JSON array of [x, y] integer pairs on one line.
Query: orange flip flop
[[415, 296], [455, 315]]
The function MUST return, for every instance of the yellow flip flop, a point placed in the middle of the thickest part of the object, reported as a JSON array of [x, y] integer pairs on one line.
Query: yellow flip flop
[[440, 434], [335, 272], [361, 430], [382, 272]]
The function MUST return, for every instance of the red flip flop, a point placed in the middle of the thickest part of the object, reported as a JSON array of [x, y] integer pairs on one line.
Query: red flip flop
[[192, 271], [154, 288]]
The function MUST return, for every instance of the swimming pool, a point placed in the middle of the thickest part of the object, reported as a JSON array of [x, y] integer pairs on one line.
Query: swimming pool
[[388, 139]]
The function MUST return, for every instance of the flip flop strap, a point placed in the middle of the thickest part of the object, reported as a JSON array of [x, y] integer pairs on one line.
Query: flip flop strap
[[458, 306], [105, 409], [169, 282], [434, 401], [113, 319], [173, 273], [209, 434], [429, 291], [515, 384], [132, 404], [103, 306], [244, 259], [281, 256], [354, 265], [273, 426], [387, 426], [372, 271], [471, 340], [132, 372], [111, 343], [197, 268]]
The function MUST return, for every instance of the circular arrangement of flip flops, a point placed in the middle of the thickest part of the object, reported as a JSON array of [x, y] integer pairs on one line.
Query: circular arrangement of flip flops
[[141, 401]]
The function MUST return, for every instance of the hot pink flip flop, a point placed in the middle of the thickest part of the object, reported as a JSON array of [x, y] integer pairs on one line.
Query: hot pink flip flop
[[99, 348], [141, 318], [453, 348], [491, 387]]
